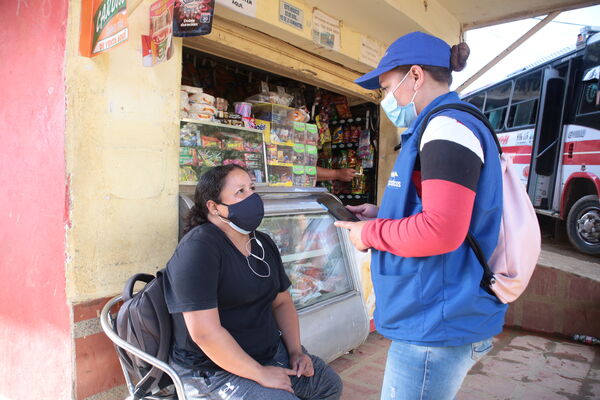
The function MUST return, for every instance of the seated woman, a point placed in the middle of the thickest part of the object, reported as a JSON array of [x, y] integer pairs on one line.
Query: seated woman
[[236, 331]]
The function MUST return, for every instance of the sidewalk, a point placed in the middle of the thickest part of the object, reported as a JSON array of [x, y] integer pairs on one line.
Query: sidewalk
[[521, 366]]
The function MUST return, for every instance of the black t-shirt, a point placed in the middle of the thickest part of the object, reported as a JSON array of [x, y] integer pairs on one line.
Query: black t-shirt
[[208, 271]]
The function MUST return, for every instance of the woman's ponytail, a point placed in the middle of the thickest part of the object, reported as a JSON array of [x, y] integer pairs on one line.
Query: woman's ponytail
[[458, 56]]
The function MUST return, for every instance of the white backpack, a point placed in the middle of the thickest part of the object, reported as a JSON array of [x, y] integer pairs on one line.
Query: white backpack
[[509, 269]]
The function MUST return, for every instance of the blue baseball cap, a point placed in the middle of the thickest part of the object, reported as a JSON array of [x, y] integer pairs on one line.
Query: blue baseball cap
[[416, 48]]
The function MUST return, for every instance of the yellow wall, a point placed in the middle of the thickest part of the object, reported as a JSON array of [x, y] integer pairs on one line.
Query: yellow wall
[[122, 157]]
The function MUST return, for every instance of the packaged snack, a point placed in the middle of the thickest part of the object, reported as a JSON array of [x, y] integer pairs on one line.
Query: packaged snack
[[343, 161], [299, 115], [311, 155], [232, 142], [272, 152], [202, 98], [200, 116], [352, 160], [311, 176], [188, 156], [201, 108], [299, 150], [284, 154], [222, 104], [253, 146], [341, 106], [298, 179], [355, 137], [184, 101], [324, 133], [211, 142], [338, 135], [209, 157], [191, 89], [243, 108], [193, 18], [249, 122], [299, 135], [187, 174], [188, 136], [347, 134], [312, 134]]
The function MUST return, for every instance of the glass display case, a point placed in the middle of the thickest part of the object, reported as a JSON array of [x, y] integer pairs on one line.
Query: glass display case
[[207, 144], [311, 251]]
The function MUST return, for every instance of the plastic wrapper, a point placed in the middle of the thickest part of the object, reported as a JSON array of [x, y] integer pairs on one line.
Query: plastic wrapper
[[280, 176], [243, 108], [188, 156], [311, 155], [211, 142], [298, 175], [188, 136], [209, 157], [202, 98], [222, 104], [299, 135], [191, 89], [299, 115], [311, 176], [283, 99], [201, 108], [299, 154], [187, 174], [337, 135], [184, 101], [284, 154], [253, 146], [312, 134]]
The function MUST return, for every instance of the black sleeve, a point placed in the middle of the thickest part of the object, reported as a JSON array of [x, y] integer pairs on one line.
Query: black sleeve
[[192, 277], [284, 281]]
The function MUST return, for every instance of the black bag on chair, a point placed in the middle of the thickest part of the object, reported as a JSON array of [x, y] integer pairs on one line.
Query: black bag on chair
[[144, 321]]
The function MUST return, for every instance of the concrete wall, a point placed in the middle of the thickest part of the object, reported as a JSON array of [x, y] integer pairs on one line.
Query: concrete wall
[[35, 329], [558, 301]]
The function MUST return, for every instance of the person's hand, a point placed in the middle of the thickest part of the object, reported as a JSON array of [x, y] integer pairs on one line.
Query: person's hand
[[276, 378], [364, 211], [345, 174], [355, 229], [302, 364]]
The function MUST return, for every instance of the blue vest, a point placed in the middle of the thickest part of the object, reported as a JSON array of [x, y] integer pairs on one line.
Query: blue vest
[[437, 300]]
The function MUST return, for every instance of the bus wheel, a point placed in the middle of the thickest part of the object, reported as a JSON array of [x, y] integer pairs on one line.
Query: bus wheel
[[583, 225]]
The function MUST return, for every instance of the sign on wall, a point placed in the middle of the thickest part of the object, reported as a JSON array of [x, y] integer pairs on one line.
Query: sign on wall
[[291, 15], [246, 7], [103, 26], [371, 51], [326, 30]]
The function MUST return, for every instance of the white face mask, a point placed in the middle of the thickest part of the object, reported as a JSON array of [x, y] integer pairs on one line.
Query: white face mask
[[401, 116]]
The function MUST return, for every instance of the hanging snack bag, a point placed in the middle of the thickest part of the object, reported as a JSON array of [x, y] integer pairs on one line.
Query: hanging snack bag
[[311, 176], [338, 135], [193, 17], [299, 150], [298, 179], [312, 134], [299, 132]]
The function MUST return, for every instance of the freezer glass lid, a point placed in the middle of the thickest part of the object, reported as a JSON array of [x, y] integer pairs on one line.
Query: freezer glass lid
[[311, 250]]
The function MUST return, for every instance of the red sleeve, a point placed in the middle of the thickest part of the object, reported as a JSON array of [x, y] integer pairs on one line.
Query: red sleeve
[[440, 228]]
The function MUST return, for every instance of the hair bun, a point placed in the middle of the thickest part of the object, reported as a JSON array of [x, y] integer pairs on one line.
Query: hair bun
[[458, 56]]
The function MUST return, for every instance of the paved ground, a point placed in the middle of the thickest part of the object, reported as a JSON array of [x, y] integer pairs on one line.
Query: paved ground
[[521, 366]]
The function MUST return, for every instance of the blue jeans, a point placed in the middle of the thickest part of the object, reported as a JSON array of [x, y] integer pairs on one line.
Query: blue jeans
[[325, 384], [415, 372]]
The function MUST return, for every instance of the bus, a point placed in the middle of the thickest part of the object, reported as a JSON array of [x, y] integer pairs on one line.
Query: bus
[[547, 116]]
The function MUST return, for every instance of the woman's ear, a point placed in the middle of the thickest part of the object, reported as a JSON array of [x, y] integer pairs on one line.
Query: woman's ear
[[417, 73], [211, 206]]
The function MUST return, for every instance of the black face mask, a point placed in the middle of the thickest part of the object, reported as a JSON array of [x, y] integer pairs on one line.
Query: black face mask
[[246, 215]]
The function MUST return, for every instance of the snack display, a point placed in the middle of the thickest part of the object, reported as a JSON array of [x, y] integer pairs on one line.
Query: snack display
[[208, 145]]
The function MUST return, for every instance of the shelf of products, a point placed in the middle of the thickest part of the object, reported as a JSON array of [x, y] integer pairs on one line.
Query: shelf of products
[[312, 256], [205, 144]]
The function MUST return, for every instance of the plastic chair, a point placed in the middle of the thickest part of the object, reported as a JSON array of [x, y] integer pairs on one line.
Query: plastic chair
[[108, 326]]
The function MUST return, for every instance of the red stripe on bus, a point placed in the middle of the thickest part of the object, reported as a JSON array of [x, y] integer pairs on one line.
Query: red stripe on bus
[[522, 159], [585, 145], [525, 149], [578, 159]]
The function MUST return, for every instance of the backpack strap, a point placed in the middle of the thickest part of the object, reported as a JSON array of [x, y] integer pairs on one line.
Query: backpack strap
[[488, 279]]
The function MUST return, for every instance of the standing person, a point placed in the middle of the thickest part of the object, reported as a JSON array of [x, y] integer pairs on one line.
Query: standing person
[[236, 334], [426, 277]]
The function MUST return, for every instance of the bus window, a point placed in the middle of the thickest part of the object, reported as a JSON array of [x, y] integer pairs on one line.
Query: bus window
[[589, 101], [478, 100], [524, 101], [496, 105]]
